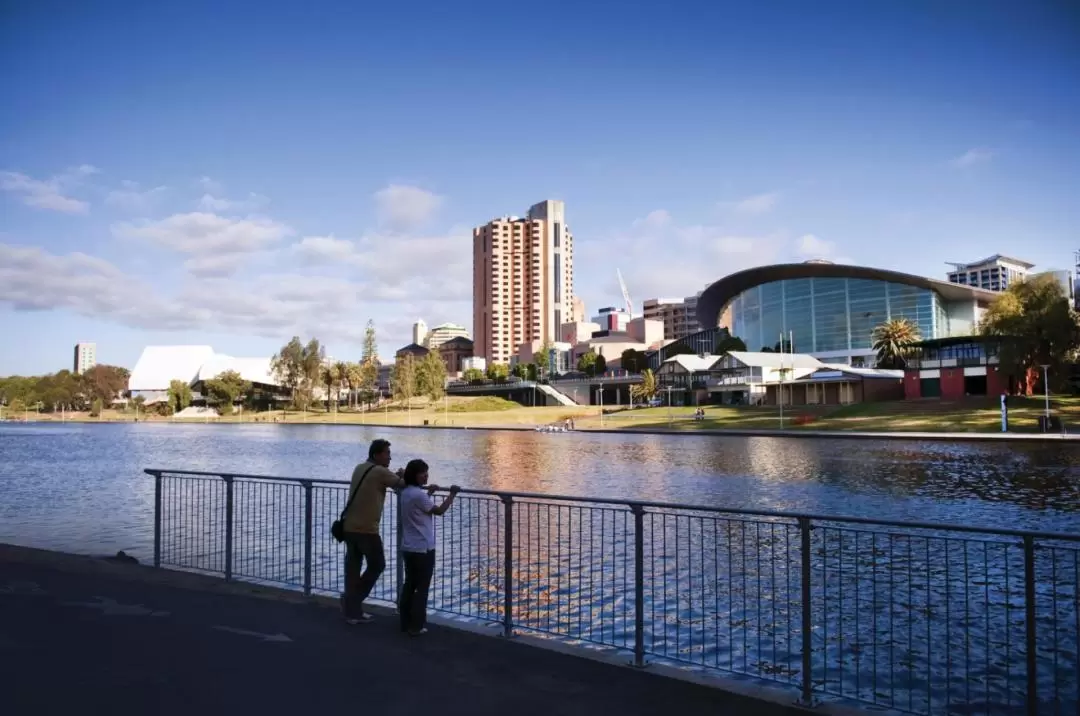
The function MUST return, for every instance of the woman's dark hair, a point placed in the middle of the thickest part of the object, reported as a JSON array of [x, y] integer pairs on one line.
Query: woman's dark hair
[[413, 470]]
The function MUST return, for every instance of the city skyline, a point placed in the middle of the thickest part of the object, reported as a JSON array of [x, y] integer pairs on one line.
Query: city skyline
[[235, 188]]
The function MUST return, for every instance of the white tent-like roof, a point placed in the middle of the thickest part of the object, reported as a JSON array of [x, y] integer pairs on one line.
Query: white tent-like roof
[[160, 365]]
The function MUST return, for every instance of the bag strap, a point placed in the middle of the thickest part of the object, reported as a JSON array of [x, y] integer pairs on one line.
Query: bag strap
[[348, 503]]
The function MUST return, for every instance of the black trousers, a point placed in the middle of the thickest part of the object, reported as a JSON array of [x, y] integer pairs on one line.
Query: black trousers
[[412, 604], [359, 581]]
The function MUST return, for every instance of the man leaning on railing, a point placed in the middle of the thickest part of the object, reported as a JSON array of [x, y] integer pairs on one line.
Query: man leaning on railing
[[363, 513]]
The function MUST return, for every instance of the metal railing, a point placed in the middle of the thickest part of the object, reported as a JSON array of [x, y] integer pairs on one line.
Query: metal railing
[[921, 618]]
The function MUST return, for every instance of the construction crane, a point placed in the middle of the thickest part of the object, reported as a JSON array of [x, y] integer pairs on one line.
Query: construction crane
[[625, 294]]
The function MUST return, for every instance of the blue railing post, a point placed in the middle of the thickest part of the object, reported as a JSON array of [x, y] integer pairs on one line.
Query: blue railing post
[[639, 585], [1032, 700], [807, 696], [157, 519], [228, 526], [309, 536], [508, 565]]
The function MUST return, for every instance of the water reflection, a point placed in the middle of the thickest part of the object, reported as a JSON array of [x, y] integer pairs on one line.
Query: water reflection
[[57, 480]]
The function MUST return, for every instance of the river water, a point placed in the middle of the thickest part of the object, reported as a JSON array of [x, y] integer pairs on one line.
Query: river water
[[58, 482], [913, 622]]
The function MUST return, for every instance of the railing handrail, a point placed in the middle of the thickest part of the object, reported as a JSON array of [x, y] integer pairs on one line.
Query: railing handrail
[[632, 504]]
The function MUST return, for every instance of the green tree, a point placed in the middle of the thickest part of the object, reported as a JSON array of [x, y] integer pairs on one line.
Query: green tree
[[287, 367], [633, 360], [542, 358], [601, 364], [729, 343], [431, 376], [647, 388], [498, 372], [314, 356], [586, 363], [518, 370], [403, 379], [893, 341], [532, 371], [225, 389], [105, 382], [179, 395], [1035, 326], [354, 376], [95, 408], [472, 375], [370, 351], [330, 376], [16, 407]]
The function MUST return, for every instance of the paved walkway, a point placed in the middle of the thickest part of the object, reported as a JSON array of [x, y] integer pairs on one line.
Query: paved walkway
[[84, 636]]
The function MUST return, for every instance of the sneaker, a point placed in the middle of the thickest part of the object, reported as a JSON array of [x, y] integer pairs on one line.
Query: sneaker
[[421, 632], [362, 619]]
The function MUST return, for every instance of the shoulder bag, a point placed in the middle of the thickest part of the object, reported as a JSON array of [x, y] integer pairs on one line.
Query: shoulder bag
[[337, 530]]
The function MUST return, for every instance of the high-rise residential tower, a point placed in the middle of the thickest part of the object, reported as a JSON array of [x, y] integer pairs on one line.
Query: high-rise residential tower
[[85, 357], [523, 280]]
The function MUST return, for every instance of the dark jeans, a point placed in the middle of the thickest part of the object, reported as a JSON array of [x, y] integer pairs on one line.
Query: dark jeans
[[412, 606], [359, 581]]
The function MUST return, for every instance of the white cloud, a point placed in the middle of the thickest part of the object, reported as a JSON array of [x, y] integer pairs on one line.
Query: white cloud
[[757, 204], [403, 208], [130, 197], [205, 233], [274, 305], [972, 157], [209, 202], [659, 256], [52, 193], [810, 246], [209, 185]]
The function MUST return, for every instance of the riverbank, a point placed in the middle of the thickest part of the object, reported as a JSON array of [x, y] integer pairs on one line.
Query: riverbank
[[925, 419]]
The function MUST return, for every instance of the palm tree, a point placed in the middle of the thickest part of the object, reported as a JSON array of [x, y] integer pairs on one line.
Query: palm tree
[[646, 389], [342, 369], [355, 376], [893, 340], [331, 378]]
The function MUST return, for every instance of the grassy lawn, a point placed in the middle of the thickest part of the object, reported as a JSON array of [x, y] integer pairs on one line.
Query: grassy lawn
[[455, 411], [968, 415]]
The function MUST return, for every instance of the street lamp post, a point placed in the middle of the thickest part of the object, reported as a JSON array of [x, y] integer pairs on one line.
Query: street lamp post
[[601, 404], [669, 418]]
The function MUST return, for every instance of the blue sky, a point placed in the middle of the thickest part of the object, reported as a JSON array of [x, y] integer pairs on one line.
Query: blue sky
[[237, 173]]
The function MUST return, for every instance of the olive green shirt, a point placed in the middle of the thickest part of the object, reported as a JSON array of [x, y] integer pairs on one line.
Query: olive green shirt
[[365, 512]]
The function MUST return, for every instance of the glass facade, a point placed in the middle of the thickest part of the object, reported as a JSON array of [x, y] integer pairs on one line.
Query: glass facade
[[831, 314]]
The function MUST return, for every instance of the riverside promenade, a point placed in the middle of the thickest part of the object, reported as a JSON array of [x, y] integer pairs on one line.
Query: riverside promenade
[[93, 636]]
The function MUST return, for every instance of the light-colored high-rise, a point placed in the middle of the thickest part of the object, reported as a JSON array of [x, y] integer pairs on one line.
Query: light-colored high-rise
[[85, 357], [419, 332], [523, 280], [442, 333]]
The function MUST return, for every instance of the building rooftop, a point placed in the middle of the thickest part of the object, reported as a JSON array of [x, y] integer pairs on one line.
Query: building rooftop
[[993, 259]]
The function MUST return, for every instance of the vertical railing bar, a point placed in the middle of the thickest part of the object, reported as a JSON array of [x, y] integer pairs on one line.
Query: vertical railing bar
[[228, 527], [1032, 699], [309, 535], [508, 566], [807, 697], [157, 519], [639, 585]]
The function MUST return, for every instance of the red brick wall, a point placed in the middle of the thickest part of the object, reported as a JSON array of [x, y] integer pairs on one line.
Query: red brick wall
[[996, 381], [952, 383], [912, 387]]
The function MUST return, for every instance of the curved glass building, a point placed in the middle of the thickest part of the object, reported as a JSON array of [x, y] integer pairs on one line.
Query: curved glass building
[[830, 310]]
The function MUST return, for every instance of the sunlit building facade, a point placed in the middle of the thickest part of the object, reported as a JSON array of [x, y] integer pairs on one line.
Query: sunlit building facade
[[830, 311]]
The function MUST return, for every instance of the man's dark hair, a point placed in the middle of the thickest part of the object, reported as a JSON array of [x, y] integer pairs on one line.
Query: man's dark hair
[[377, 448]]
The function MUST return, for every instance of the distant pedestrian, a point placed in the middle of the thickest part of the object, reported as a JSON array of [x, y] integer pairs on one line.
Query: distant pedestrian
[[363, 514], [418, 511]]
